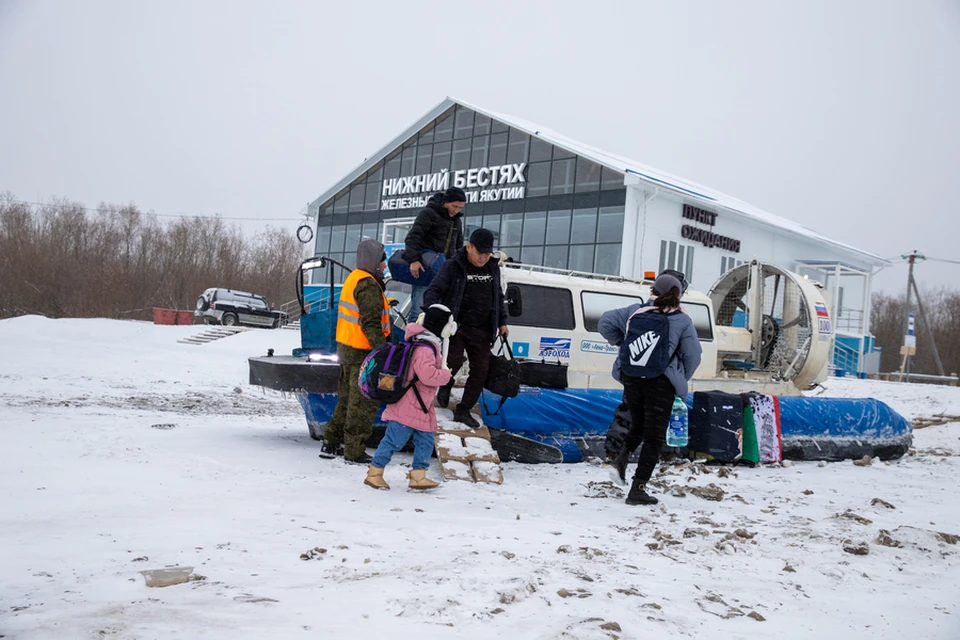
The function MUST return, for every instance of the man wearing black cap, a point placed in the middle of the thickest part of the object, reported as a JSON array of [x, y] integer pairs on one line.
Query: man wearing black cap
[[437, 228], [469, 285]]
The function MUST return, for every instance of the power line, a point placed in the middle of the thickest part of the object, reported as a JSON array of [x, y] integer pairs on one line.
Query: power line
[[945, 260], [167, 215]]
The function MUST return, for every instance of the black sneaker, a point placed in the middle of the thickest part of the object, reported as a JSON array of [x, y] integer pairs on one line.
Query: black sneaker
[[443, 397], [330, 451], [638, 494], [363, 458], [464, 417]]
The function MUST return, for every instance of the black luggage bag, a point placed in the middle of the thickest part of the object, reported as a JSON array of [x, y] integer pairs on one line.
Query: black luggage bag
[[716, 427]]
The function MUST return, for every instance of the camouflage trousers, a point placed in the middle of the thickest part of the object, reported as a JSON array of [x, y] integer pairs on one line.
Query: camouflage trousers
[[352, 421]]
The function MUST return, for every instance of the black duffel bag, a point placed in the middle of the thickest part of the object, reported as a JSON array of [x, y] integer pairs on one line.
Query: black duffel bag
[[546, 375], [503, 374]]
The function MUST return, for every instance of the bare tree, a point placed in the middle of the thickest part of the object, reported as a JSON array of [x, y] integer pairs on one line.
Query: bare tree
[[889, 321], [62, 260]]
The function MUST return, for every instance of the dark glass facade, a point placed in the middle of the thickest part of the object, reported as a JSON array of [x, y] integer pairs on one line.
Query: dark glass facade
[[569, 216]]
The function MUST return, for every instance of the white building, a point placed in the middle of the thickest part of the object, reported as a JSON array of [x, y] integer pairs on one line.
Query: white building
[[557, 202]]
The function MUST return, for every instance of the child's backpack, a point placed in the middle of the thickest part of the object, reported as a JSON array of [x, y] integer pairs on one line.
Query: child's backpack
[[644, 352], [385, 369]]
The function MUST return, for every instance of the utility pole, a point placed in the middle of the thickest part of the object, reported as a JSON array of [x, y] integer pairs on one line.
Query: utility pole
[[907, 348], [926, 325], [909, 337]]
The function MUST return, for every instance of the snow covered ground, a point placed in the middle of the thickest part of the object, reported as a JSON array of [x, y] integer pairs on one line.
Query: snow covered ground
[[123, 450]]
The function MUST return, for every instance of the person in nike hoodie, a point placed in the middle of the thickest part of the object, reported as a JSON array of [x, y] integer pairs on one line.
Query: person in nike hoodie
[[651, 399]]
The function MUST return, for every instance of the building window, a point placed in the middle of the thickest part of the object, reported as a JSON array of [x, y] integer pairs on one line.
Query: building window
[[353, 238], [337, 235], [482, 125], [481, 145], [584, 226], [563, 176], [531, 255], [610, 226], [608, 259], [677, 256], [540, 150], [510, 227], [444, 130], [491, 222], [426, 134], [323, 241], [588, 176], [595, 304], [534, 224], [372, 201], [518, 148], [611, 179], [581, 257], [370, 230], [441, 156], [555, 257], [391, 168], [461, 154], [407, 160], [538, 179], [342, 203], [424, 156], [546, 307], [464, 123], [498, 149], [558, 227], [727, 263]]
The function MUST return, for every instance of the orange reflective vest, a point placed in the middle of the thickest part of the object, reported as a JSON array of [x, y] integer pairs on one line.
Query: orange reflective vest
[[349, 331]]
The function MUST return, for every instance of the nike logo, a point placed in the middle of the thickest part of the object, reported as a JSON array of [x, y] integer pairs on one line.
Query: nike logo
[[642, 348]]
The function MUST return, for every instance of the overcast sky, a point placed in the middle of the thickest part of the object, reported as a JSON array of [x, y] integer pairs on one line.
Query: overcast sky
[[843, 115]]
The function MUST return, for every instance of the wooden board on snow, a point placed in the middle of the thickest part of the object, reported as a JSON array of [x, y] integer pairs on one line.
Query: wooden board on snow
[[466, 454]]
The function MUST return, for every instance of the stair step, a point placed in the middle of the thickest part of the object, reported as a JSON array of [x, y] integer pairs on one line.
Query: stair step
[[212, 334]]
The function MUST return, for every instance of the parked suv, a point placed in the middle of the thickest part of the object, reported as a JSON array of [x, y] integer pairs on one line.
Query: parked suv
[[229, 307]]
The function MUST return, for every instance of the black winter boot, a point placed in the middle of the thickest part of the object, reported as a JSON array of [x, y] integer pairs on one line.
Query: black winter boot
[[363, 458], [638, 494], [443, 397], [464, 417], [620, 464], [330, 451]]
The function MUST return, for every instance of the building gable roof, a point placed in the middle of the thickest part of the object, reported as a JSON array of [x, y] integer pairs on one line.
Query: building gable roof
[[659, 179]]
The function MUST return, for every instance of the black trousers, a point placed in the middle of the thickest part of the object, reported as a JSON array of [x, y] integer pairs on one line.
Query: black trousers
[[473, 343], [650, 402]]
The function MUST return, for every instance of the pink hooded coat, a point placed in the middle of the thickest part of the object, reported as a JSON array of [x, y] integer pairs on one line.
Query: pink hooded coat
[[430, 376]]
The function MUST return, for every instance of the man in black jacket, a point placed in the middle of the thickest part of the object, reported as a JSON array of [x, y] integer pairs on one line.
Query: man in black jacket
[[437, 228], [469, 285]]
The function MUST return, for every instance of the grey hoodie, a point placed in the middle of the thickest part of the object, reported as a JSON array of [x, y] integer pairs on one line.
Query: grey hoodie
[[369, 297], [370, 255], [612, 327]]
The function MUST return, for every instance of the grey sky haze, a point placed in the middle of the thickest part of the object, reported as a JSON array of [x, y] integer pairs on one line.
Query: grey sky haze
[[844, 115]]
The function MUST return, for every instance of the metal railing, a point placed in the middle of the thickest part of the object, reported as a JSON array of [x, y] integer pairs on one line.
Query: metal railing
[[312, 298], [845, 358], [850, 320]]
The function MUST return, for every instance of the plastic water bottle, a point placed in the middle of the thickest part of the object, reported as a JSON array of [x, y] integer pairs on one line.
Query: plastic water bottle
[[677, 429]]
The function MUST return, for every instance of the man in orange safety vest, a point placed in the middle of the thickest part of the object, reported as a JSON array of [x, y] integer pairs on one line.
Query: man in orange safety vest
[[363, 324]]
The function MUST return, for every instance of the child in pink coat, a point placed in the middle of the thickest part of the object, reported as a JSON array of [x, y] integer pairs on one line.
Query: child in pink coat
[[407, 418]]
